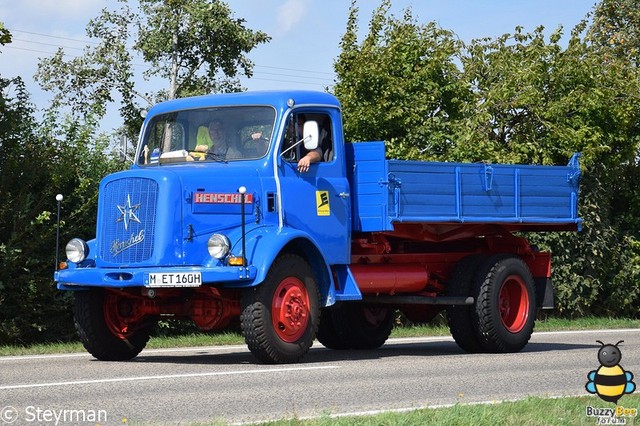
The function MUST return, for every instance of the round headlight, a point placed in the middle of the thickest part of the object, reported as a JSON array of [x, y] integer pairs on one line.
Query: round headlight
[[77, 250], [218, 246]]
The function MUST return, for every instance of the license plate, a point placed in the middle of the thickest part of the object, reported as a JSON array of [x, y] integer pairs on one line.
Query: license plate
[[174, 279]]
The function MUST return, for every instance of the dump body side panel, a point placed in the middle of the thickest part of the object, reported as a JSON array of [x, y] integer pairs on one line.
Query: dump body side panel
[[414, 191], [367, 171]]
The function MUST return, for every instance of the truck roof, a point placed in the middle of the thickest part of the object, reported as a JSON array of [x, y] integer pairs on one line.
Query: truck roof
[[275, 98]]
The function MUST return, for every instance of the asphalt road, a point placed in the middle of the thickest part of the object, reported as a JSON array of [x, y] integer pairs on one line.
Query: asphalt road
[[226, 383]]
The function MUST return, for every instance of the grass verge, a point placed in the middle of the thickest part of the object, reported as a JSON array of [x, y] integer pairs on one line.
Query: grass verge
[[532, 411]]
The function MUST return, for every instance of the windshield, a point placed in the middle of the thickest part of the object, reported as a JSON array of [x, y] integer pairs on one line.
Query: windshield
[[211, 134]]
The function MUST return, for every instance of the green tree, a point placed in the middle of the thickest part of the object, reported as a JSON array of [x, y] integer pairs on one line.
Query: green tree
[[616, 27], [37, 161], [5, 35], [536, 102], [399, 84], [196, 45], [190, 42], [615, 33]]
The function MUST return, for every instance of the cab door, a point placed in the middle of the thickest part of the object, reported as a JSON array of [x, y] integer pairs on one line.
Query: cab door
[[317, 202]]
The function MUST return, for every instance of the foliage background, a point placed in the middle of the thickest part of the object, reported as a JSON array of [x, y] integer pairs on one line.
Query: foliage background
[[519, 98]]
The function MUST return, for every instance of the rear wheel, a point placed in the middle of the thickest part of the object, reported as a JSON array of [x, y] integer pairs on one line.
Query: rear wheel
[[108, 326], [462, 321], [505, 304], [362, 325], [280, 317], [328, 334]]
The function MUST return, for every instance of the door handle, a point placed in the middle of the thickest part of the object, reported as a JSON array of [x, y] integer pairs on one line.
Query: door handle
[[343, 195]]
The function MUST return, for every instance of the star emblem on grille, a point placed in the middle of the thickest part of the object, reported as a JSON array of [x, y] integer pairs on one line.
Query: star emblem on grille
[[128, 213]]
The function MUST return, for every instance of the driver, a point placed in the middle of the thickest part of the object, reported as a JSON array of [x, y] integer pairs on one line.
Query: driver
[[306, 157], [211, 141]]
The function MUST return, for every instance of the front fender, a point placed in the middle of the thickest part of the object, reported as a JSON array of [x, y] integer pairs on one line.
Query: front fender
[[264, 244]]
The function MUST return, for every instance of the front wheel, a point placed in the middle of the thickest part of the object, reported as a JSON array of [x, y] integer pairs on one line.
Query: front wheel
[[280, 316], [505, 305], [108, 325]]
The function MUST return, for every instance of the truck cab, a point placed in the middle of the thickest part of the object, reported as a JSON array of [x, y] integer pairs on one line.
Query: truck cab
[[197, 221]]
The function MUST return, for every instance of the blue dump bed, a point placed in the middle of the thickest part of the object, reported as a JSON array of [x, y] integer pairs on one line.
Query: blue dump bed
[[521, 197]]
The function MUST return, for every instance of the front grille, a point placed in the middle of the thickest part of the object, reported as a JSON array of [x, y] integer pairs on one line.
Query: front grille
[[128, 220]]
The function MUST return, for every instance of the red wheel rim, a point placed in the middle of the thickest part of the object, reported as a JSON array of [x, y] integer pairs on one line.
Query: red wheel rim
[[290, 309], [115, 309], [513, 303]]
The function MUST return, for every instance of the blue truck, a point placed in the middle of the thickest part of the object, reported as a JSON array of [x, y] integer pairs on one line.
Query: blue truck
[[240, 232]]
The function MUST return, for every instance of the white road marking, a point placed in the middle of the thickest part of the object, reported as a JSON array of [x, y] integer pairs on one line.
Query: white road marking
[[612, 330], [167, 376]]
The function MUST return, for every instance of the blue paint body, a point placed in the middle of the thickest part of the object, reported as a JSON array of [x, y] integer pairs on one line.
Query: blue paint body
[[393, 191], [148, 220]]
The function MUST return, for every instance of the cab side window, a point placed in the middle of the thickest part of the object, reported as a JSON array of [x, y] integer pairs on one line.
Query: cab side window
[[293, 134]]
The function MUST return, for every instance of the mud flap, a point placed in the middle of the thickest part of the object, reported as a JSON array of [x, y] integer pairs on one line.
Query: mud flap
[[544, 292]]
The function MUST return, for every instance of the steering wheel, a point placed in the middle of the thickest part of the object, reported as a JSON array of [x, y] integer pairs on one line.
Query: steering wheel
[[254, 148]]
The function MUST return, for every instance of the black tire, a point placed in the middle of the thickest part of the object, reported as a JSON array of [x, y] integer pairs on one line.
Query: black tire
[[505, 304], [362, 325], [461, 318], [328, 334], [95, 321], [278, 335]]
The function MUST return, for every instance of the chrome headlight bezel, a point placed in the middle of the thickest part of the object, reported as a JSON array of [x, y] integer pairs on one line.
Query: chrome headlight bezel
[[218, 246], [77, 250]]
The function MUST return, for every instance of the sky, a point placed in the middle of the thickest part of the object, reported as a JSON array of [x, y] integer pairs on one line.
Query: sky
[[305, 33]]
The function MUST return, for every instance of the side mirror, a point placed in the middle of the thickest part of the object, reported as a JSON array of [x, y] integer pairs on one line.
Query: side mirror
[[310, 135], [122, 149]]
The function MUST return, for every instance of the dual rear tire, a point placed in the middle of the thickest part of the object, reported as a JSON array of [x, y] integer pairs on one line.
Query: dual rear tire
[[503, 315], [355, 326]]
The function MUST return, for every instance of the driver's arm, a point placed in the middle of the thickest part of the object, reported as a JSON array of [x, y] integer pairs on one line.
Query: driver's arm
[[313, 156]]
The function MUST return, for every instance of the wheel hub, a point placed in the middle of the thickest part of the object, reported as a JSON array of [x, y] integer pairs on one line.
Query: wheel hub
[[290, 309], [116, 311], [513, 304]]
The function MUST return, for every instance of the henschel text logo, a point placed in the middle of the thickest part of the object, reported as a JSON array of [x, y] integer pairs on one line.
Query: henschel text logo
[[118, 246]]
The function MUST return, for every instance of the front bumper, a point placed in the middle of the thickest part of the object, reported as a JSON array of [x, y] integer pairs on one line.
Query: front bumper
[[79, 278]]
